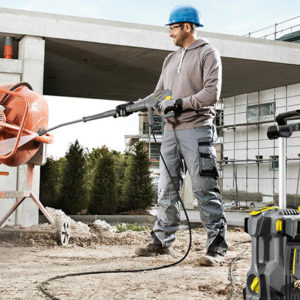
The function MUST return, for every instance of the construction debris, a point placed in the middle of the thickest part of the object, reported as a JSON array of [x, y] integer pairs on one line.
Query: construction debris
[[24, 268], [78, 229], [83, 235], [103, 225]]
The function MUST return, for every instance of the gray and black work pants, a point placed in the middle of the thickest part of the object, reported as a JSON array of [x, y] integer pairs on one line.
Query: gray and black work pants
[[196, 147]]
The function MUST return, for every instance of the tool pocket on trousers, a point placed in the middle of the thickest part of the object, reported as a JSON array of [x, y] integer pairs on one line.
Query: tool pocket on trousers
[[208, 165]]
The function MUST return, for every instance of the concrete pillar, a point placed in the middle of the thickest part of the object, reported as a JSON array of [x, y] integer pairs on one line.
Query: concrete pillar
[[31, 54]]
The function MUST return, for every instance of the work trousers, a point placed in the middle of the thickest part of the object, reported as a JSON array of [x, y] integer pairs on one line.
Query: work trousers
[[196, 148]]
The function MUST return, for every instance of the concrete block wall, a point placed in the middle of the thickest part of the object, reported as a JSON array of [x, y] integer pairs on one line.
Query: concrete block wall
[[246, 142], [29, 67]]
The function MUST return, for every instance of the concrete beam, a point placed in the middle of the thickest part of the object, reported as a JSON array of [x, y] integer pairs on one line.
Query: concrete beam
[[20, 22], [11, 66], [233, 46]]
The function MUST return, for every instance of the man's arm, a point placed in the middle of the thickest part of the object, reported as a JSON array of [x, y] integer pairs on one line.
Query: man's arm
[[160, 86], [212, 81]]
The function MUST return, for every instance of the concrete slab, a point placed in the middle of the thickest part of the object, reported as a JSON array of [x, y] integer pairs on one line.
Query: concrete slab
[[94, 58], [234, 218]]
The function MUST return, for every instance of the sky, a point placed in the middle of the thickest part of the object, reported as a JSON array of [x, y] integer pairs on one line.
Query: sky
[[93, 134], [230, 17]]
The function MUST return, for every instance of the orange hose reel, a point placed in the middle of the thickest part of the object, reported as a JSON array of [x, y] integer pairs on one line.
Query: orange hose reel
[[23, 113]]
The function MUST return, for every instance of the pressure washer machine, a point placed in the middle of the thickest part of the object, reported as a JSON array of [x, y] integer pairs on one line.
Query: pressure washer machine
[[275, 231]]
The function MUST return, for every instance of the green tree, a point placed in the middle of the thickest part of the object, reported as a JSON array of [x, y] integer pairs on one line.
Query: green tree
[[91, 163], [138, 190], [103, 198], [73, 198], [121, 162], [49, 183]]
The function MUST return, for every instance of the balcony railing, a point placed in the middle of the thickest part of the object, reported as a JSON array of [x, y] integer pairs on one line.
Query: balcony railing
[[277, 30]]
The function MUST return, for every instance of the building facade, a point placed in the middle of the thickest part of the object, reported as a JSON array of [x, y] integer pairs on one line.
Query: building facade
[[249, 165]]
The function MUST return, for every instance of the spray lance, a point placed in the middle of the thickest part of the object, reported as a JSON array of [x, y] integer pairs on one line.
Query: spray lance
[[149, 103]]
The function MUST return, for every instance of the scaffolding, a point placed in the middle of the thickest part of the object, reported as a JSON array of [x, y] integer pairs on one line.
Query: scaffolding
[[247, 159], [247, 152]]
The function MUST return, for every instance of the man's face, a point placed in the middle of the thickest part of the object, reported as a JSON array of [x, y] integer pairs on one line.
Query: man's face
[[178, 34]]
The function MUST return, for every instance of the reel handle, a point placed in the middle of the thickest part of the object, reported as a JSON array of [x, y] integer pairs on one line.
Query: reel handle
[[282, 118]]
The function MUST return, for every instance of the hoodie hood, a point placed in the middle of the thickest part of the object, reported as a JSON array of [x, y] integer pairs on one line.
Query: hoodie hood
[[198, 43]]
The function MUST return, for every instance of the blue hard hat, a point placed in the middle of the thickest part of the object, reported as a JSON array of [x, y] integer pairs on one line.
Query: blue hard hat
[[185, 13]]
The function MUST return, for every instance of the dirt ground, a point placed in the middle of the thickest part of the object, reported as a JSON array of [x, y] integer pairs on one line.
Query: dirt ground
[[31, 256]]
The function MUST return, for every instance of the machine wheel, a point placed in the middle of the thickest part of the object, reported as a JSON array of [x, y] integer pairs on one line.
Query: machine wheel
[[63, 233]]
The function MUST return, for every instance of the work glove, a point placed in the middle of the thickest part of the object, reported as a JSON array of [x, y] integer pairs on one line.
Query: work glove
[[121, 110], [171, 105]]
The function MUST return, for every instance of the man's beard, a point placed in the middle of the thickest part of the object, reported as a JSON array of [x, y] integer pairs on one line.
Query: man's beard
[[180, 41]]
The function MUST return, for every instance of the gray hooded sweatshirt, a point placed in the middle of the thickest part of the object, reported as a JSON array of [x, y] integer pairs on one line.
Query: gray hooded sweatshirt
[[193, 74]]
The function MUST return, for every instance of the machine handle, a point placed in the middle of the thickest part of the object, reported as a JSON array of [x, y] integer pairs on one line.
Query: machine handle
[[284, 130], [282, 118]]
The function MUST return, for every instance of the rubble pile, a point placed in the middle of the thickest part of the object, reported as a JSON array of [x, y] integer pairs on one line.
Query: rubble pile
[[83, 235], [78, 229], [103, 225]]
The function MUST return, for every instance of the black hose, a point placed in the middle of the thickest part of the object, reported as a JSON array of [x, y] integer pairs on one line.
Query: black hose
[[42, 285], [230, 268]]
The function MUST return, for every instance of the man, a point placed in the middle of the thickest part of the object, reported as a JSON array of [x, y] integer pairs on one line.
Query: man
[[193, 74]]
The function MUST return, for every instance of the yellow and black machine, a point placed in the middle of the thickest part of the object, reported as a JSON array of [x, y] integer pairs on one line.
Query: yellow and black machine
[[274, 273]]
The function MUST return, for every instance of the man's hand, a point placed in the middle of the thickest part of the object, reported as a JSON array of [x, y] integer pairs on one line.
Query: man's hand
[[168, 105], [121, 110]]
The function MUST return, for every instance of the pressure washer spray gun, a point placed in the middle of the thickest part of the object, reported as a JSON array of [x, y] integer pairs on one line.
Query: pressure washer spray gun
[[149, 103]]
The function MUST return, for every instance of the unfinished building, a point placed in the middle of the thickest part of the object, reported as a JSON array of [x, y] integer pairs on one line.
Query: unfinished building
[[122, 61]]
